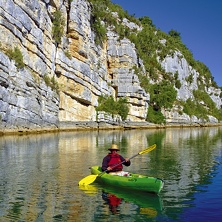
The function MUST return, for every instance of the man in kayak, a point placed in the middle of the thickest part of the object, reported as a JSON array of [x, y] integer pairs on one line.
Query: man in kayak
[[113, 162]]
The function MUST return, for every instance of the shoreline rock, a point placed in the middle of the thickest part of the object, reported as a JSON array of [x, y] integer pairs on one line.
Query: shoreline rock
[[91, 125]]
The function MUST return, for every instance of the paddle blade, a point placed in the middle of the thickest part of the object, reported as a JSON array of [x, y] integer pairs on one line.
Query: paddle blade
[[87, 180], [148, 149]]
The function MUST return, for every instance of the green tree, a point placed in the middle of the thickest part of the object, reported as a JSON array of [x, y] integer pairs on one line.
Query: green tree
[[155, 116], [109, 105], [122, 107], [146, 21], [162, 94], [174, 34]]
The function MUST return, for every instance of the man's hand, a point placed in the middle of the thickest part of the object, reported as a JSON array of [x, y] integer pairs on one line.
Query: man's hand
[[109, 168]]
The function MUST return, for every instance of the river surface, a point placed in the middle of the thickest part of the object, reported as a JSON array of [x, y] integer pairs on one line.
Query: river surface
[[39, 176]]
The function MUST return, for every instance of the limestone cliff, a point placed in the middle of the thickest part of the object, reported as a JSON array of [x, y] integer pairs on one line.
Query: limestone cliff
[[178, 64], [60, 83]]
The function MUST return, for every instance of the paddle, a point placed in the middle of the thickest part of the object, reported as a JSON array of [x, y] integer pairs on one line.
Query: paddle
[[91, 178]]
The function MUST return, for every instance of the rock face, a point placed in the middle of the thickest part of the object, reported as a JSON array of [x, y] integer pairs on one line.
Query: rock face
[[24, 100], [29, 96], [178, 64]]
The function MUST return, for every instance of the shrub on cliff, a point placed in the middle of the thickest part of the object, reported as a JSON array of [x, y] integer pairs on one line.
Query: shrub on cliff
[[58, 26], [109, 105], [17, 56]]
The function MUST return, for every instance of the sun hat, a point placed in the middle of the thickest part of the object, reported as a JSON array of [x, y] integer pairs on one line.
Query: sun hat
[[114, 147]]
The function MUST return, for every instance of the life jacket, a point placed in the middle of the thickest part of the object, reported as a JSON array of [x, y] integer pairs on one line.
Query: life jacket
[[114, 160]]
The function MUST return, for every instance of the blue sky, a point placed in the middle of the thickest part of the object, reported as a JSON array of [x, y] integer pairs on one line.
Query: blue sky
[[199, 23]]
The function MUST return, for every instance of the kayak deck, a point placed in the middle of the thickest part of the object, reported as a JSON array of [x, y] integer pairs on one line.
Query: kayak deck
[[133, 181]]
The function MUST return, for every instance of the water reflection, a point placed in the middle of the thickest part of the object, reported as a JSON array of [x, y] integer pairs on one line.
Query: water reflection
[[147, 203], [113, 201], [40, 173]]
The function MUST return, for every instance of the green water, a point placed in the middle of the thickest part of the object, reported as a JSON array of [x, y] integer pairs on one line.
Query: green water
[[40, 174]]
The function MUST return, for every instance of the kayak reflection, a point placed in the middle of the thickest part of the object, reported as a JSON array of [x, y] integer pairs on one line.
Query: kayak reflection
[[149, 204]]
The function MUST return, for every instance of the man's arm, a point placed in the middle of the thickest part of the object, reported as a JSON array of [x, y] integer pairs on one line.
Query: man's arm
[[127, 161], [105, 163]]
